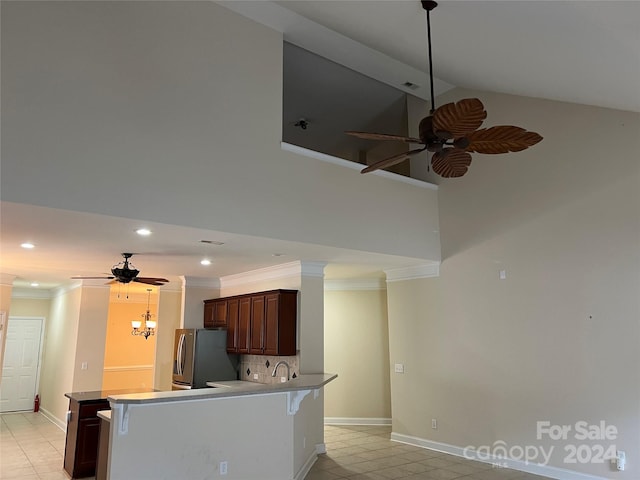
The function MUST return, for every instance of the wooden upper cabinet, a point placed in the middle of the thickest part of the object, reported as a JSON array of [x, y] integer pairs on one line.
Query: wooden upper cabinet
[[281, 309], [244, 323], [215, 313], [257, 325], [233, 311], [261, 323], [208, 313]]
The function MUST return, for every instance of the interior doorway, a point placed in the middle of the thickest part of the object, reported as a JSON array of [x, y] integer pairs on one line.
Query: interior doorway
[[21, 368]]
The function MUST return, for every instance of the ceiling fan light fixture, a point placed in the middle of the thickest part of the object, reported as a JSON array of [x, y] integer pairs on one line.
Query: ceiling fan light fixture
[[149, 325]]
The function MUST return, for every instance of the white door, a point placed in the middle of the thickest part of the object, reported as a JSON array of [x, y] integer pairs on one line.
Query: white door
[[21, 359]]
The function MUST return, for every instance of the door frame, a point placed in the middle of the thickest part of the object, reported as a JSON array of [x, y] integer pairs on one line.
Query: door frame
[[43, 324]]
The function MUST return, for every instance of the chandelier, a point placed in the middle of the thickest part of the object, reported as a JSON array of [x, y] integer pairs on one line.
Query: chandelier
[[149, 325]]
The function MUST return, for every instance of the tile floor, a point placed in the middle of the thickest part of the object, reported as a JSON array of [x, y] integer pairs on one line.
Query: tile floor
[[366, 453], [32, 448]]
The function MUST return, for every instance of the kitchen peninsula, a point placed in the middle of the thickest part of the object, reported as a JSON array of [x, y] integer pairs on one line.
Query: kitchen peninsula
[[237, 431], [83, 428]]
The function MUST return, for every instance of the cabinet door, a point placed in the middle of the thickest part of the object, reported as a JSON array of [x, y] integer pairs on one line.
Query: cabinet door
[[209, 309], [257, 325], [87, 447], [232, 325], [244, 319], [220, 314], [271, 324]]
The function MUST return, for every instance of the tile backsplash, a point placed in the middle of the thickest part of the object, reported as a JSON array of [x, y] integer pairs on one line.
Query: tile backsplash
[[262, 366]]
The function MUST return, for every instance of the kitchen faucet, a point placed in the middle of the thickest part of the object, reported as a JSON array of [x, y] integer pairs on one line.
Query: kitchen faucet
[[281, 362]]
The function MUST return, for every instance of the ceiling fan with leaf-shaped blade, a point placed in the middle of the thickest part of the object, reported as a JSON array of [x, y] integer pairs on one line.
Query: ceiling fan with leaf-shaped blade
[[451, 132], [125, 272]]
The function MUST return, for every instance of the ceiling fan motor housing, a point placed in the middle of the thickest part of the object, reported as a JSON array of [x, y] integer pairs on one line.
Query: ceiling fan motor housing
[[124, 275]]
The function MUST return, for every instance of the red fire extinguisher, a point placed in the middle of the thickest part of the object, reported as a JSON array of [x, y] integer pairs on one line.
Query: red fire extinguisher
[[36, 404]]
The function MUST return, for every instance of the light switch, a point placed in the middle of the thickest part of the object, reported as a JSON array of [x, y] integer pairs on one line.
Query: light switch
[[84, 366], [399, 368]]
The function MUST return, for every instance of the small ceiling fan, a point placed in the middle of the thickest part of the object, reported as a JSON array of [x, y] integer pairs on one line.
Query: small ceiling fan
[[451, 132], [125, 272]]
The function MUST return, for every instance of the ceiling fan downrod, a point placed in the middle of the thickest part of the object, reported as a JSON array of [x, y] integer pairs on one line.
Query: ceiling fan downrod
[[428, 6]]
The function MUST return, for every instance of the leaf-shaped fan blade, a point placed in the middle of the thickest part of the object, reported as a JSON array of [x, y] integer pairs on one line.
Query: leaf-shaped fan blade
[[501, 139], [459, 119], [451, 162], [150, 280], [92, 278], [387, 162], [383, 136]]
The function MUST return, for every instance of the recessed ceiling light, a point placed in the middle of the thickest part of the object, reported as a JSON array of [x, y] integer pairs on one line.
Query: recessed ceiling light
[[144, 232], [35, 284], [27, 245], [205, 262]]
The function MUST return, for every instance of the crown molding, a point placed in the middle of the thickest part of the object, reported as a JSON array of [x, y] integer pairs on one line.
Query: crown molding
[[413, 272], [312, 269], [7, 279], [290, 269], [200, 282], [31, 293], [355, 284], [63, 290]]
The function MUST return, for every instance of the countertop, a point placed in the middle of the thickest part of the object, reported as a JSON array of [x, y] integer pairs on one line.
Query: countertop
[[233, 388], [105, 415], [103, 394]]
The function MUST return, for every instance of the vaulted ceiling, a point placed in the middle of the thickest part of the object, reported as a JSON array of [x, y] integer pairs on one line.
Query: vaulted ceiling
[[574, 51]]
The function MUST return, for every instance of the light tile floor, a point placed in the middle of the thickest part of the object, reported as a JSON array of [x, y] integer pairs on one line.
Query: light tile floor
[[366, 453], [32, 448]]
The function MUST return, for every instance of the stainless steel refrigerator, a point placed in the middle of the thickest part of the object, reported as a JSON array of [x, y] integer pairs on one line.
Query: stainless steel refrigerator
[[200, 356]]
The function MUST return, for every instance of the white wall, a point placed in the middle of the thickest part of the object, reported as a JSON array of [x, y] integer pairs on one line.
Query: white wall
[[557, 340], [92, 337], [169, 312], [356, 347], [58, 360], [131, 100]]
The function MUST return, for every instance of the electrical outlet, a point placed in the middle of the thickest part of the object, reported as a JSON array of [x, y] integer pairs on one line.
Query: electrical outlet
[[283, 379], [256, 376], [621, 460], [223, 468], [434, 423]]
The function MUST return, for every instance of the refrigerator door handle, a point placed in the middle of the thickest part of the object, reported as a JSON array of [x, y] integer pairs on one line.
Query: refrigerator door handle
[[181, 354], [178, 356]]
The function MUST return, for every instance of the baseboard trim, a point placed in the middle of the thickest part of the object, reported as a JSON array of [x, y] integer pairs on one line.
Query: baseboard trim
[[306, 467], [50, 416], [536, 469], [356, 421]]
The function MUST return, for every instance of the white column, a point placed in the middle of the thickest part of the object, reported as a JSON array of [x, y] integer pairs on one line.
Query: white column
[[311, 317]]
